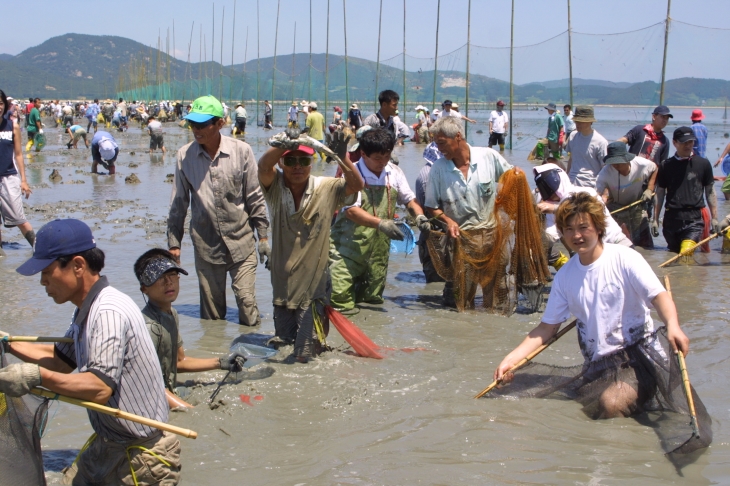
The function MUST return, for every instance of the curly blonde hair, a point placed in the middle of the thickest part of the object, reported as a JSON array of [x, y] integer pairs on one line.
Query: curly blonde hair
[[582, 202]]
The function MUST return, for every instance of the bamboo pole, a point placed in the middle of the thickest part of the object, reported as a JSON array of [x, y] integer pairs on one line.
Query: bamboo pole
[[233, 44], [468, 54], [327, 60], [309, 72], [377, 65], [347, 84], [436, 56], [188, 69], [293, 65], [529, 357], [220, 77], [212, 51], [258, 61], [511, 73], [173, 55], [570, 56], [245, 60], [405, 86], [664, 59], [115, 412], [200, 60], [629, 205], [690, 251], [685, 376], [273, 72], [38, 339]]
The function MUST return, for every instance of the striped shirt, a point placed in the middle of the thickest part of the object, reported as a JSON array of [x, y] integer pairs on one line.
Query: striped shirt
[[112, 342], [225, 198]]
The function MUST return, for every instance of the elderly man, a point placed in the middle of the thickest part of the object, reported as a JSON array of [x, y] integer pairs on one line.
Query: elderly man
[[361, 235], [301, 208], [113, 353], [218, 175], [462, 186], [587, 149]]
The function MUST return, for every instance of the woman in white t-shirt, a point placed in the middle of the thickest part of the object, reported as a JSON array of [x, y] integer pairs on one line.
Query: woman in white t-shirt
[[609, 289]]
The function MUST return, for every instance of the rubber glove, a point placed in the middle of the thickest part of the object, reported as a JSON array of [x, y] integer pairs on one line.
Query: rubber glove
[[725, 223], [715, 226], [19, 379], [423, 223], [390, 229], [40, 131], [338, 144], [647, 195], [654, 229], [233, 362], [264, 250], [561, 138]]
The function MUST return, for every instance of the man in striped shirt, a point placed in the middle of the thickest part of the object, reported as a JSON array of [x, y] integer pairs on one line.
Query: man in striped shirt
[[113, 353]]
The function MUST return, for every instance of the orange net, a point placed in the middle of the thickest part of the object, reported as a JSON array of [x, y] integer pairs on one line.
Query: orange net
[[503, 260]]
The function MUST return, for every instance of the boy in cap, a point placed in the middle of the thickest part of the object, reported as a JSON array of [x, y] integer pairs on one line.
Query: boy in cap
[[686, 181], [113, 353], [498, 126], [555, 132], [216, 176], [159, 278], [587, 149], [625, 179], [700, 131], [649, 141], [104, 151]]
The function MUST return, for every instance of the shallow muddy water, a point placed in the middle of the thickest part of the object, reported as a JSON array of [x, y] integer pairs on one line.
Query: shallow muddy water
[[407, 419]]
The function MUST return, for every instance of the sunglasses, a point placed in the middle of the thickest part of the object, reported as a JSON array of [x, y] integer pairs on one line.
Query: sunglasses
[[292, 161], [200, 126]]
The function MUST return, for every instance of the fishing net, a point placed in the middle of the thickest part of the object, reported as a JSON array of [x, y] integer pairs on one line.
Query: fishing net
[[647, 371], [21, 423], [502, 260]]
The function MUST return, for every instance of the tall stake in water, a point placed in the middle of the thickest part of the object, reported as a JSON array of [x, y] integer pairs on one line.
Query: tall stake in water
[[200, 60], [511, 73], [468, 52], [436, 57], [327, 60], [212, 52], [188, 74], [347, 85], [309, 74], [258, 60], [377, 66], [405, 88], [245, 59], [233, 43], [273, 72], [220, 77], [293, 56], [664, 59], [570, 57], [173, 55]]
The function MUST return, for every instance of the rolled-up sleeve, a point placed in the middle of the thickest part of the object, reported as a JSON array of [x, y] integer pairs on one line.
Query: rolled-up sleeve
[[179, 203], [255, 203]]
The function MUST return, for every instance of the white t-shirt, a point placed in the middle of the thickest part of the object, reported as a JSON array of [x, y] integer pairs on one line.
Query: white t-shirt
[[610, 298], [391, 176], [453, 113], [625, 189], [586, 153], [498, 119]]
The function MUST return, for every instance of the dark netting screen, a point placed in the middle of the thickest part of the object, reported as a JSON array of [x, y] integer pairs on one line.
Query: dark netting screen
[[647, 369], [21, 423]]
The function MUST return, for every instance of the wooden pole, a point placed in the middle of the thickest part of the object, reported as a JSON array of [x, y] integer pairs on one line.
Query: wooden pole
[[273, 72], [690, 251], [174, 56], [511, 73], [629, 206], [347, 84], [245, 60], [377, 65], [436, 56], [309, 72], [220, 76], [570, 56], [468, 53], [212, 51], [664, 59], [294, 53], [188, 69], [233, 44], [405, 87], [38, 339], [115, 412], [529, 357], [258, 60], [200, 61], [327, 60]]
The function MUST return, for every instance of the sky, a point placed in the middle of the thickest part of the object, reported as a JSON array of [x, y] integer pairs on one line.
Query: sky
[[631, 57]]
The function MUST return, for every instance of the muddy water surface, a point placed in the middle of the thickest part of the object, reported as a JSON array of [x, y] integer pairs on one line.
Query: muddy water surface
[[407, 419]]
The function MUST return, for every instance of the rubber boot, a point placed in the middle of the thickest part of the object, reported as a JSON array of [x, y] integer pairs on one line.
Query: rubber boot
[[30, 237], [501, 147], [28, 145], [686, 245], [562, 260], [726, 242]]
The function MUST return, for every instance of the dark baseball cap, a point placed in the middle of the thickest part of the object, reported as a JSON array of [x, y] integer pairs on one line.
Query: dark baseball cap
[[58, 238], [446, 102], [662, 110], [684, 134]]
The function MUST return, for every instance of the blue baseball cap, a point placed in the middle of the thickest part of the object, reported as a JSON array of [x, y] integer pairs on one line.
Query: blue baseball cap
[[58, 238]]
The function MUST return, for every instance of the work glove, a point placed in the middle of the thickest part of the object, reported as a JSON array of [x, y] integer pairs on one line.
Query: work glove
[[338, 144], [286, 140], [264, 250], [423, 223], [40, 131], [655, 229], [647, 195], [390, 229], [233, 362], [715, 226], [19, 379], [723, 226]]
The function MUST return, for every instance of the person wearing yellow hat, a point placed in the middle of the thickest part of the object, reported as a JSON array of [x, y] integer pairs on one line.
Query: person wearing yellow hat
[[217, 177]]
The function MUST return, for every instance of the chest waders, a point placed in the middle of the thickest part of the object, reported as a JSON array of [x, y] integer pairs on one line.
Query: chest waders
[[359, 254]]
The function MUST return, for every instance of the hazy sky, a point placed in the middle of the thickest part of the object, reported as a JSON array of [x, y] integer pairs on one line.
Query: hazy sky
[[631, 57]]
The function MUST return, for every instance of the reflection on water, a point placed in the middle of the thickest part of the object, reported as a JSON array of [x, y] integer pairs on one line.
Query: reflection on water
[[341, 419]]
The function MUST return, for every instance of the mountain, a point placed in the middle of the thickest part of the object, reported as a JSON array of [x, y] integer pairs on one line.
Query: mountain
[[73, 66]]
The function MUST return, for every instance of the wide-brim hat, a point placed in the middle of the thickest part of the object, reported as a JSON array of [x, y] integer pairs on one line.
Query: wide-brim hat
[[584, 114], [551, 106], [156, 268], [616, 153], [354, 106], [697, 115]]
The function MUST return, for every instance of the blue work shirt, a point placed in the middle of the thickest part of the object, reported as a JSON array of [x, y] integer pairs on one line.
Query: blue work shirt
[[700, 146], [469, 202]]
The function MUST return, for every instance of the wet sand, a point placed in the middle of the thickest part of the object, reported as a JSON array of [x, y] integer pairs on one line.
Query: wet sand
[[341, 419]]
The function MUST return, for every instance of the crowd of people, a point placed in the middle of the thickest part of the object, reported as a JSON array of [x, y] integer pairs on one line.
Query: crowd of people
[[326, 241]]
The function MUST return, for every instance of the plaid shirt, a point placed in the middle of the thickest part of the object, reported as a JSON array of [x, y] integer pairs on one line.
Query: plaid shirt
[[700, 146]]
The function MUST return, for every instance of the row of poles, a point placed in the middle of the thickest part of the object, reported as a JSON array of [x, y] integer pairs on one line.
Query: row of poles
[[202, 64]]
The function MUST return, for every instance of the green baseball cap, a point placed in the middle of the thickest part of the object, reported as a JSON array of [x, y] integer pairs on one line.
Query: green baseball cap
[[205, 108]]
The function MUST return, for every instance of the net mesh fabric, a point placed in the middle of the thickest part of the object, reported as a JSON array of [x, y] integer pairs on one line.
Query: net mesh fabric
[[21, 422], [647, 369], [502, 260]]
